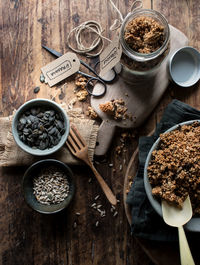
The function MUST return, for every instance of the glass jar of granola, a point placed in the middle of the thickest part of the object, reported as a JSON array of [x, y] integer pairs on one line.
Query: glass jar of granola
[[145, 38]]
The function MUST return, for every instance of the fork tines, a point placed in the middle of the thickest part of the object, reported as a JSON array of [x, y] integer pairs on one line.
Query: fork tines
[[75, 142]]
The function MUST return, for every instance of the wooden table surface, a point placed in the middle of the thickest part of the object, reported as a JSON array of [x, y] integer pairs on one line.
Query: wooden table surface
[[27, 237]]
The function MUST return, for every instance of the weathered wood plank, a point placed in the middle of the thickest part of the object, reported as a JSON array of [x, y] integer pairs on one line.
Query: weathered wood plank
[[28, 237], [31, 238]]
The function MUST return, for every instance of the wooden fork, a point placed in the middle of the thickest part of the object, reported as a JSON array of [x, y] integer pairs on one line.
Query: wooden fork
[[79, 148]]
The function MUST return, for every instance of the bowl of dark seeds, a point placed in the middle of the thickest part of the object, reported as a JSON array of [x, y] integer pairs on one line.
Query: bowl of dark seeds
[[40, 127], [48, 186]]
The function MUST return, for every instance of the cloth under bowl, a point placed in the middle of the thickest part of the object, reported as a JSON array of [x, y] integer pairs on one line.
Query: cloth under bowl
[[146, 223]]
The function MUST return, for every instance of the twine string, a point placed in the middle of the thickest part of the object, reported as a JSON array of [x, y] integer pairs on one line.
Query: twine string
[[95, 27], [136, 4], [78, 32]]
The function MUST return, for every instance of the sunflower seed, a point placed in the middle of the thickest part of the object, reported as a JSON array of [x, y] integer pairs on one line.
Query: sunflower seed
[[97, 197], [115, 214], [50, 187], [78, 214]]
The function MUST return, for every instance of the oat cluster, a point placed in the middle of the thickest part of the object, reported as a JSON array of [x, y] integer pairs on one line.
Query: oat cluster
[[116, 108], [80, 91], [144, 34], [174, 170], [91, 113]]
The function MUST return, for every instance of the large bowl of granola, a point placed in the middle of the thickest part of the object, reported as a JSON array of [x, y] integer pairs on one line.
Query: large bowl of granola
[[172, 169]]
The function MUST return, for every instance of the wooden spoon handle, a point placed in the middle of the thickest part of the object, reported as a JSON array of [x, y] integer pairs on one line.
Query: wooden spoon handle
[[107, 191], [185, 253]]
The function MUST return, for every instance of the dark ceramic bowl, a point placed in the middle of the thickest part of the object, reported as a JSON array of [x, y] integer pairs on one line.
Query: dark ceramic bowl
[[194, 224], [45, 103], [27, 186]]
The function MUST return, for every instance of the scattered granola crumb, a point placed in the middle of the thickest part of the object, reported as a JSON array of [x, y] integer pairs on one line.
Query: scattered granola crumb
[[80, 81], [115, 108], [80, 91], [107, 107], [125, 136], [91, 113], [82, 94], [118, 149], [129, 186], [130, 182]]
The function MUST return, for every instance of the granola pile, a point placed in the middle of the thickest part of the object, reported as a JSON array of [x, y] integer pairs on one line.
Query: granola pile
[[116, 108], [174, 170], [144, 34]]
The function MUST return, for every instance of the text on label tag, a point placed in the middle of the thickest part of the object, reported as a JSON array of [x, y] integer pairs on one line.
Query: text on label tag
[[61, 68], [110, 56]]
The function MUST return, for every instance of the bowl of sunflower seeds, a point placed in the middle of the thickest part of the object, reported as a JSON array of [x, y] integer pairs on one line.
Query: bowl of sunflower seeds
[[48, 186], [40, 127]]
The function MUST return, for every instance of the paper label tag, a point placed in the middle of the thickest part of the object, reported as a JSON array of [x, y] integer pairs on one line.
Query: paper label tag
[[110, 56], [61, 68]]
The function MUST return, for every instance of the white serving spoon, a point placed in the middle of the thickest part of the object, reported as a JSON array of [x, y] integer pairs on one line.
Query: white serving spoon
[[176, 217]]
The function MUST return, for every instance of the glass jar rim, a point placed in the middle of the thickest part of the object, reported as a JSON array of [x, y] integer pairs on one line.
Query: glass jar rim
[[144, 56]]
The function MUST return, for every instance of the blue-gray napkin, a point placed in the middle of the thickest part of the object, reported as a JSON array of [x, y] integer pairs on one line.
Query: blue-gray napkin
[[146, 223]]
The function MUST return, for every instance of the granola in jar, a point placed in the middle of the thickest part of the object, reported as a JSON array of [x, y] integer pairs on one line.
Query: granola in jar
[[144, 34], [144, 37]]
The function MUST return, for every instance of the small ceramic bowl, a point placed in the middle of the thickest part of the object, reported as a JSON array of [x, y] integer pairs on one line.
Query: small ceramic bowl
[[194, 223], [184, 66], [27, 185], [46, 104]]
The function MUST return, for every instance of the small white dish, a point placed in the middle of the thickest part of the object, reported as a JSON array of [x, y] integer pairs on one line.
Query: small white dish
[[184, 66]]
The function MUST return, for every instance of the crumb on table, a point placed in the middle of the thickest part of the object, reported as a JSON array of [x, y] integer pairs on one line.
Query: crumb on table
[[80, 91], [91, 113], [80, 81], [82, 94]]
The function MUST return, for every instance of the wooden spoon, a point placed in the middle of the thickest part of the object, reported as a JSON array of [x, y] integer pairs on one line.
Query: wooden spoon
[[176, 217]]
